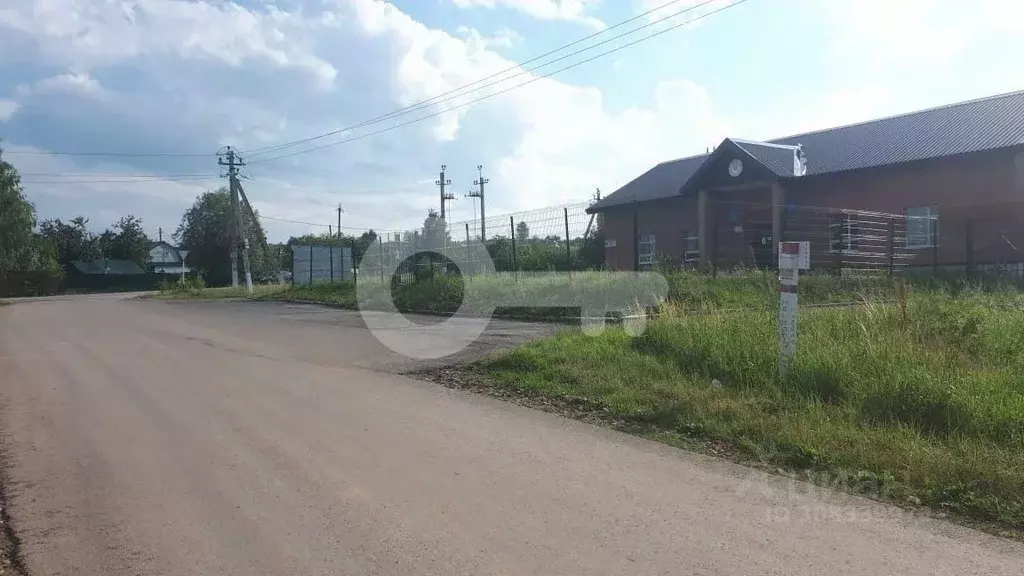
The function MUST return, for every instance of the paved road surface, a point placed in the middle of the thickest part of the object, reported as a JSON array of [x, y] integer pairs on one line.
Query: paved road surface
[[235, 438]]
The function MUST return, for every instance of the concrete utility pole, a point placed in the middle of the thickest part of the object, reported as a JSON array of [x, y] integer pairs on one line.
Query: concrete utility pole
[[233, 161], [340, 210], [480, 194], [443, 182]]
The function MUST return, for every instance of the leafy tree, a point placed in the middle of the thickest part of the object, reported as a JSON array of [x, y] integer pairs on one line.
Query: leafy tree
[[522, 231], [126, 240], [19, 246], [71, 240], [204, 233], [435, 232]]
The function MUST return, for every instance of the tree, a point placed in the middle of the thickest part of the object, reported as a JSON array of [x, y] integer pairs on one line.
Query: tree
[[522, 231], [204, 233], [19, 247], [435, 232], [126, 240], [71, 240]]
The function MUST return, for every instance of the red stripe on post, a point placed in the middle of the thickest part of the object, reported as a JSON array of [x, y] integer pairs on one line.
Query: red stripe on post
[[787, 289], [790, 247]]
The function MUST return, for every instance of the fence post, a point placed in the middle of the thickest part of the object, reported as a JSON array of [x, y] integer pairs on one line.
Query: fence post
[[568, 250], [714, 243], [891, 244], [469, 252], [636, 236], [330, 249], [515, 264], [310, 264], [789, 276], [380, 244], [969, 248], [292, 248], [934, 233]]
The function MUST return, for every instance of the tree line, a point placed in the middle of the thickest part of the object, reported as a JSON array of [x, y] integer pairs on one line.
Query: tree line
[[40, 253]]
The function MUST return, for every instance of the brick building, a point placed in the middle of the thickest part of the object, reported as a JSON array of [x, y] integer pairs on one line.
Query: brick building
[[943, 186]]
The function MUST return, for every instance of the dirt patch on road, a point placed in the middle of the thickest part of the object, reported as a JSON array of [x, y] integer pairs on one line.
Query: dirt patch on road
[[10, 550]]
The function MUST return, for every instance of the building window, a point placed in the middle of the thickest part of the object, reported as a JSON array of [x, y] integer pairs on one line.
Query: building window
[[923, 227], [647, 254], [691, 248], [843, 233]]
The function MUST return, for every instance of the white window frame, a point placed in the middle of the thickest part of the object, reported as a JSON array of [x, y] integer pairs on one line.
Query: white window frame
[[846, 225], [691, 248], [922, 215], [647, 250]]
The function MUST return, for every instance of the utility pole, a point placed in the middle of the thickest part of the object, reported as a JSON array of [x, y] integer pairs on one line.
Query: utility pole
[[480, 194], [340, 210], [160, 233], [231, 159], [443, 182]]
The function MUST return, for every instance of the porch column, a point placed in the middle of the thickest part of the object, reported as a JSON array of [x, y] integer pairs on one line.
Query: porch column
[[778, 215], [703, 229]]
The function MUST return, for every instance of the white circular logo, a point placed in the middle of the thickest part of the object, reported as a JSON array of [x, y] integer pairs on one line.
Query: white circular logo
[[735, 167]]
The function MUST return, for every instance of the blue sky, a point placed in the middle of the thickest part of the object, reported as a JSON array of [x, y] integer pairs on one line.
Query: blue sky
[[195, 75]]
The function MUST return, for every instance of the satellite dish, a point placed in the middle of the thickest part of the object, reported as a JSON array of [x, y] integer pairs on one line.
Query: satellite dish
[[735, 167]]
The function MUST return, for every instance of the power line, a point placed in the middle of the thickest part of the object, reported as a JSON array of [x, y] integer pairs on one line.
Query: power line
[[122, 181], [122, 154], [504, 90], [462, 90], [113, 175], [326, 191]]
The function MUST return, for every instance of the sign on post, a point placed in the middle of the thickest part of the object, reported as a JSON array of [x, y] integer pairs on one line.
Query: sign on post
[[793, 257]]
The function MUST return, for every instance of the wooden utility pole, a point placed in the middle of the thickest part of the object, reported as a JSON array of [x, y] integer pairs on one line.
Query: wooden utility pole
[[231, 159], [480, 194], [443, 182]]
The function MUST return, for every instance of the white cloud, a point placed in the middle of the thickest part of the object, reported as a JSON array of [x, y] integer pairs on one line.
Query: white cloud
[[502, 38], [568, 10], [542, 144], [221, 73], [73, 82], [7, 109], [83, 34]]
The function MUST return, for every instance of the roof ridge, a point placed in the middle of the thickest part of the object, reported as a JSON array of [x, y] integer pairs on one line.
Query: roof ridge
[[690, 157], [764, 143], [903, 114]]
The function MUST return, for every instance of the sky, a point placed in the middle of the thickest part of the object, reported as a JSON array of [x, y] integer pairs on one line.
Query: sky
[[184, 78]]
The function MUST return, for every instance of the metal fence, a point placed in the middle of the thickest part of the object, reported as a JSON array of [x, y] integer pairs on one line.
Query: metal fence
[[321, 264], [962, 240], [552, 239]]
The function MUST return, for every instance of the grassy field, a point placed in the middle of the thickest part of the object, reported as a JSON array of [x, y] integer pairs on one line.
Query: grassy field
[[686, 291], [921, 404]]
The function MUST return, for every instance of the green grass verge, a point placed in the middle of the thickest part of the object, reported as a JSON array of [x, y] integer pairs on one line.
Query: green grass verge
[[927, 405], [687, 291]]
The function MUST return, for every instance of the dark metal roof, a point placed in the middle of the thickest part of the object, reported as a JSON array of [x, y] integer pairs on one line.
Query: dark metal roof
[[776, 157], [662, 181], [109, 266], [973, 126]]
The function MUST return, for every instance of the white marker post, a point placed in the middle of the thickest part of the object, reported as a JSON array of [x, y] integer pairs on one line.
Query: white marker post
[[790, 261]]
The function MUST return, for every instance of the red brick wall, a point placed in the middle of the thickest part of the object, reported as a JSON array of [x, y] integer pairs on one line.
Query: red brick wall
[[666, 219], [985, 188]]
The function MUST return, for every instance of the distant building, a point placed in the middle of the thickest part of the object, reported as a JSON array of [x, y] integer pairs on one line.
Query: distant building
[[167, 259], [952, 179]]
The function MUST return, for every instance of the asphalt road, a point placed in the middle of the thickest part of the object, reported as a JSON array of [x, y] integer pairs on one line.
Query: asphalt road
[[235, 438]]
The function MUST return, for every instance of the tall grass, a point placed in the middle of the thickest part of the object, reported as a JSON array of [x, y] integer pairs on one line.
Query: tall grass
[[932, 401]]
